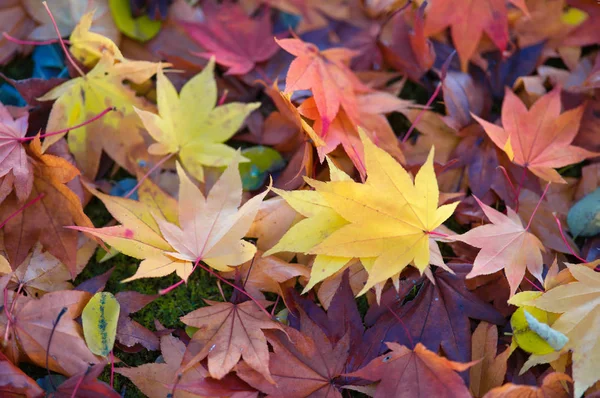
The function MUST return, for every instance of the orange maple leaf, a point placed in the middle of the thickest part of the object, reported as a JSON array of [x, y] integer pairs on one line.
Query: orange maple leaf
[[327, 75]]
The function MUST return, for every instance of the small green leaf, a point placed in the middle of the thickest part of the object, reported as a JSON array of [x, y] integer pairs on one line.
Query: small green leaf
[[262, 161], [100, 317], [142, 28], [584, 216]]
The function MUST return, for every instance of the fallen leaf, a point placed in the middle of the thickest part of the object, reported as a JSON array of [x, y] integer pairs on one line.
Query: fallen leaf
[[302, 364], [235, 40], [437, 317], [82, 98], [166, 247], [505, 244], [99, 319], [190, 125], [54, 207], [327, 75], [368, 224], [539, 138], [407, 373], [227, 333]]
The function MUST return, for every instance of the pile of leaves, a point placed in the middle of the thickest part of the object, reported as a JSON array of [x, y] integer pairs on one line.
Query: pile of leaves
[[386, 198]]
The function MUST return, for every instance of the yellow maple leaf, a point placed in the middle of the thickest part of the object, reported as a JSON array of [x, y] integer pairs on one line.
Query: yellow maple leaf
[[210, 229], [386, 222], [578, 303], [189, 123], [82, 98]]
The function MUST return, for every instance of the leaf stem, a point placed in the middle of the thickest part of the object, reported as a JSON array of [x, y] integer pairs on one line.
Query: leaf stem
[[533, 284], [443, 73], [98, 116], [537, 206], [145, 176], [510, 183], [223, 97], [62, 43], [518, 193], [20, 210], [562, 235], [76, 388], [412, 343], [31, 42], [438, 234]]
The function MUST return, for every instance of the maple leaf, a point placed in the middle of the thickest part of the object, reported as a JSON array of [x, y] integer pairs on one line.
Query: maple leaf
[[52, 207], [165, 247], [237, 41], [386, 221], [228, 332], [82, 98], [490, 369], [578, 303], [327, 75], [155, 379], [505, 244], [14, 382], [306, 367], [407, 373], [468, 20], [539, 138], [190, 125], [321, 348], [33, 323], [15, 165], [437, 317], [129, 332], [552, 386]]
